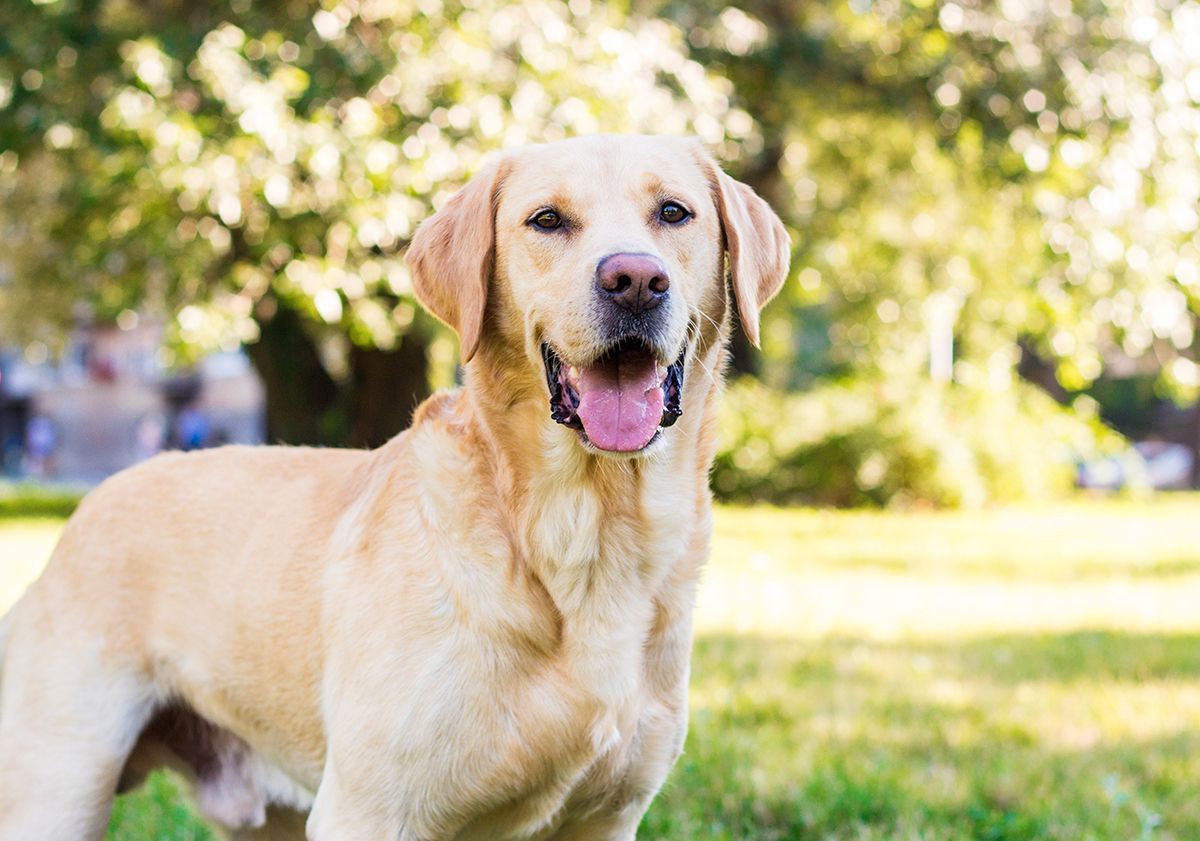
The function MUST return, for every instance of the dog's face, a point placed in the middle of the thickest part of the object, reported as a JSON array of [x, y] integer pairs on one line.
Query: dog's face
[[601, 260]]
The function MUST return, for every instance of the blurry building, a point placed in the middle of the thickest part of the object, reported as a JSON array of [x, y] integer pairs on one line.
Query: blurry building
[[110, 401]]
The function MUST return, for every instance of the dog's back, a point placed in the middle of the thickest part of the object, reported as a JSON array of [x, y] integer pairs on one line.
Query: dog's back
[[153, 554]]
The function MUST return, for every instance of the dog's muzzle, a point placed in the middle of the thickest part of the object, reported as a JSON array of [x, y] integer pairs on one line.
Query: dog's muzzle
[[621, 400]]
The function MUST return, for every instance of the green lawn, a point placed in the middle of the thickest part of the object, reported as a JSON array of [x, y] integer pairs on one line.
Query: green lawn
[[1028, 673]]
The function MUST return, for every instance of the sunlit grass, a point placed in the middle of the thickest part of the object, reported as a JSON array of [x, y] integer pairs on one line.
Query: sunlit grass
[[1016, 674], [1088, 564], [25, 544]]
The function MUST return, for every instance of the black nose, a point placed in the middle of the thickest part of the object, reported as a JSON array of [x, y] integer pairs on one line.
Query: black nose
[[635, 282]]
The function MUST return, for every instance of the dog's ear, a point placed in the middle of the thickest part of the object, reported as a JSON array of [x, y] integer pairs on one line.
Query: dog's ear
[[450, 257], [758, 245]]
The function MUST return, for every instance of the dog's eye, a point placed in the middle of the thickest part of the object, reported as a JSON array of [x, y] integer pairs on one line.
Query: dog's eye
[[673, 212], [546, 219]]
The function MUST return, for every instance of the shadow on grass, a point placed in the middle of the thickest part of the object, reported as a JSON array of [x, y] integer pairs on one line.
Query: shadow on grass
[[1012, 658], [1003, 738]]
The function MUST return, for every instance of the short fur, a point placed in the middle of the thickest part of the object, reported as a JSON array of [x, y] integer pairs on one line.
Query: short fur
[[480, 630]]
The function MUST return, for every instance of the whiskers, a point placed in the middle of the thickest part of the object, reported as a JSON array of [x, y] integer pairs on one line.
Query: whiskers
[[694, 338]]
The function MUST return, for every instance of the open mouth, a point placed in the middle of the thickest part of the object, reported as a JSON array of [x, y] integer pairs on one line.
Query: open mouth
[[619, 401]]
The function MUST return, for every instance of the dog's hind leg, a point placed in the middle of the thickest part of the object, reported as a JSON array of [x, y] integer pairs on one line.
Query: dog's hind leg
[[68, 718], [282, 825]]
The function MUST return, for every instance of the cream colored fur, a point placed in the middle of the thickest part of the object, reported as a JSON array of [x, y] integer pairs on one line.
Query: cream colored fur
[[480, 630]]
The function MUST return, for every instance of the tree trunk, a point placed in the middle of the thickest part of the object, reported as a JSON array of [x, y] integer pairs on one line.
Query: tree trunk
[[388, 385], [1193, 433], [743, 357], [766, 180], [302, 399], [1194, 444], [305, 405]]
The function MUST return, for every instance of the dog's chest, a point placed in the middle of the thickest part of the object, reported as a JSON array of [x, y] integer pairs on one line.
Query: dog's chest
[[616, 736], [587, 761], [525, 696], [587, 720]]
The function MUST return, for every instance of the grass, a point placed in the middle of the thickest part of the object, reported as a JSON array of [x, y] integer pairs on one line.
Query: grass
[[1005, 675], [23, 499]]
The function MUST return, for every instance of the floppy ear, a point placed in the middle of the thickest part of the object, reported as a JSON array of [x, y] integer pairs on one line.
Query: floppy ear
[[758, 245], [450, 257]]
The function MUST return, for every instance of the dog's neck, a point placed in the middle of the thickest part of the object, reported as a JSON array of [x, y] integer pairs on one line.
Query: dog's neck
[[601, 534]]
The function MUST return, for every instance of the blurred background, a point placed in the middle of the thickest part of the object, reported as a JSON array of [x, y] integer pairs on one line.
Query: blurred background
[[204, 207], [994, 299]]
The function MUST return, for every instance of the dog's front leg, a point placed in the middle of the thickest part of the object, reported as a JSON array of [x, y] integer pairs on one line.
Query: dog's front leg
[[618, 827], [355, 809]]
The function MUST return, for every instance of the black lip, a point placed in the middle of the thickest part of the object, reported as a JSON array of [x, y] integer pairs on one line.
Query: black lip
[[564, 400], [673, 393]]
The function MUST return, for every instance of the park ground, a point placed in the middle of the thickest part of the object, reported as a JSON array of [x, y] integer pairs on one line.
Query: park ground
[[1022, 673]]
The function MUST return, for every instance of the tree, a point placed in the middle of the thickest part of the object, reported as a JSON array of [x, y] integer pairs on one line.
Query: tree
[[1018, 180], [1035, 163], [254, 172]]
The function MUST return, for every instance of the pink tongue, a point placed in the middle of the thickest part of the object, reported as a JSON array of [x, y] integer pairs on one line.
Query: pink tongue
[[621, 402]]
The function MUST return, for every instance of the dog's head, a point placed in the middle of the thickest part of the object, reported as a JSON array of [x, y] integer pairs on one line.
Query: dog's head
[[601, 262]]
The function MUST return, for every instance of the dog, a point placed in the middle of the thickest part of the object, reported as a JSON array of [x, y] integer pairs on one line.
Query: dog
[[480, 630]]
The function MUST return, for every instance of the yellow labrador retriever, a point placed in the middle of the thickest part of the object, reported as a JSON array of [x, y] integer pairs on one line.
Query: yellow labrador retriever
[[481, 629]]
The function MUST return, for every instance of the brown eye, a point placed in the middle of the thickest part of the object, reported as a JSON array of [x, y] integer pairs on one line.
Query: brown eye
[[546, 219], [673, 212]]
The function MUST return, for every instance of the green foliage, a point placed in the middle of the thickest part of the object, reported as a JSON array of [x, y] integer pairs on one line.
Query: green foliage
[[1010, 182], [33, 500], [878, 442], [157, 811], [1033, 171], [209, 161]]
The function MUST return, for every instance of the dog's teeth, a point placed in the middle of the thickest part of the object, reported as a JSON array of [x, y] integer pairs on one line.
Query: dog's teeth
[[573, 375]]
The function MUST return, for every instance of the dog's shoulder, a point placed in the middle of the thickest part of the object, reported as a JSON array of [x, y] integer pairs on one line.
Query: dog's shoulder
[[440, 407]]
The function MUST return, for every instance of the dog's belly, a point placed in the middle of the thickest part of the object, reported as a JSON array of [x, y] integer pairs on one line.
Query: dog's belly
[[233, 784]]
